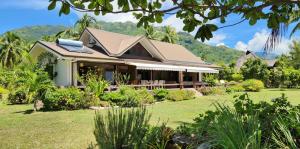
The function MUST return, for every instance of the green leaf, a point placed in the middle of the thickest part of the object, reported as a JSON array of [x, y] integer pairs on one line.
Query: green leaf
[[52, 5], [252, 21]]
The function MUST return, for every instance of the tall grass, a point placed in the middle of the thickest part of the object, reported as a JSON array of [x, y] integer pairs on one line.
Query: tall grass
[[232, 131], [121, 128]]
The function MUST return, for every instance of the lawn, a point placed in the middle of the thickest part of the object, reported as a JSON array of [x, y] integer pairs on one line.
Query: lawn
[[22, 128]]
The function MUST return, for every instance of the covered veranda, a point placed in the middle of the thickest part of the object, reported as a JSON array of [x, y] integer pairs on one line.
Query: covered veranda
[[147, 75]]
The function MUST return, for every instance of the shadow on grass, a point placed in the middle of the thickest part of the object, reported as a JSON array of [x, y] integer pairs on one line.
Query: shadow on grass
[[284, 89], [182, 123], [26, 111]]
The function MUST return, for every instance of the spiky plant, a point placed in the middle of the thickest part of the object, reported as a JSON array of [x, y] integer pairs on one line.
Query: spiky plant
[[121, 128]]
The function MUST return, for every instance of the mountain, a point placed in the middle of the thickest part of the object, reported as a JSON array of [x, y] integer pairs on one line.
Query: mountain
[[211, 54], [33, 33]]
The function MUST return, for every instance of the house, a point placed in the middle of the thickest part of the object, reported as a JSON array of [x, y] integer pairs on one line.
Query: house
[[147, 62], [248, 55]]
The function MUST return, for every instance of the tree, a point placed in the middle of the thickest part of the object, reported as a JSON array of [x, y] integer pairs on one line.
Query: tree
[[255, 68], [85, 21], [169, 35], [11, 50], [79, 26], [295, 54], [197, 15], [151, 33]]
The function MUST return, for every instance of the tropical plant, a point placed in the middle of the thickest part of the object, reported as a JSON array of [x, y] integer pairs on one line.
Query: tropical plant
[[160, 94], [255, 68], [84, 22], [231, 130], [64, 99], [253, 85], [34, 83], [151, 33], [179, 95], [94, 83], [121, 79], [120, 128], [169, 35], [295, 54], [10, 50]]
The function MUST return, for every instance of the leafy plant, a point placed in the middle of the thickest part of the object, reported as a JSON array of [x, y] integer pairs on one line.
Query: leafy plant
[[120, 128], [253, 85], [179, 95], [160, 94], [95, 83], [231, 130], [64, 99], [210, 79], [129, 97], [212, 90], [237, 77], [235, 88]]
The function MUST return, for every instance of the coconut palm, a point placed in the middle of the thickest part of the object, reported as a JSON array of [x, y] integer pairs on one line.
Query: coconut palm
[[170, 35], [11, 49], [85, 21], [151, 33]]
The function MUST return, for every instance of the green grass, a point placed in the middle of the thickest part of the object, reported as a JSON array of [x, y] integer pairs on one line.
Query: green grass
[[20, 128]]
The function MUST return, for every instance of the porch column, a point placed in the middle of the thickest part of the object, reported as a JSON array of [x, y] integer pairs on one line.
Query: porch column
[[200, 77], [151, 77], [75, 73], [180, 78]]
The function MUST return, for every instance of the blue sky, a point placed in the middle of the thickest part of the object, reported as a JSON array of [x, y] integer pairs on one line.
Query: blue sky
[[16, 14]]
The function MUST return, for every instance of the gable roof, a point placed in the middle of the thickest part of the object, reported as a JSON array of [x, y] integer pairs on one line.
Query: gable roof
[[117, 44], [63, 52]]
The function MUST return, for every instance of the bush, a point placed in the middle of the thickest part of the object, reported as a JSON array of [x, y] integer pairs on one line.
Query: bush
[[160, 94], [211, 90], [3, 93], [251, 120], [210, 79], [253, 85], [119, 128], [179, 95], [95, 84], [235, 88], [64, 99], [237, 77], [129, 97]]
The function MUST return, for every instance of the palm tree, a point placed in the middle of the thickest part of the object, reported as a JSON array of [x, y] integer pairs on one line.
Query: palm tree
[[85, 21], [151, 33], [11, 50], [170, 35], [79, 26]]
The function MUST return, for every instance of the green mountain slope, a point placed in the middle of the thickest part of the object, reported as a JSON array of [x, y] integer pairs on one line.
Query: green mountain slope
[[208, 53], [33, 33]]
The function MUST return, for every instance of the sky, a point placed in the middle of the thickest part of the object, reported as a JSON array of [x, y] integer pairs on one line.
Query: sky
[[19, 13]]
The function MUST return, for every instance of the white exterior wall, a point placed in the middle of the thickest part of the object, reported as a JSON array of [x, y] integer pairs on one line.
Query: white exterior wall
[[64, 73]]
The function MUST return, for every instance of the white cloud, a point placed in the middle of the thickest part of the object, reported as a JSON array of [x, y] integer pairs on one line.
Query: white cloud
[[221, 44], [25, 4], [258, 41], [241, 46], [120, 17], [217, 39]]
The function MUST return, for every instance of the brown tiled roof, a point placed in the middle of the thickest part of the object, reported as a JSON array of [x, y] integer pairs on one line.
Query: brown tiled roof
[[61, 51], [114, 44], [175, 52]]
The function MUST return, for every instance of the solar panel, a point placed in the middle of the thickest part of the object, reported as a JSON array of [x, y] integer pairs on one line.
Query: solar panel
[[73, 46], [82, 49]]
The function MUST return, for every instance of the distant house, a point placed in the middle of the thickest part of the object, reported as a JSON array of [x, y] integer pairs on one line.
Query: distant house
[[248, 54], [148, 62]]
